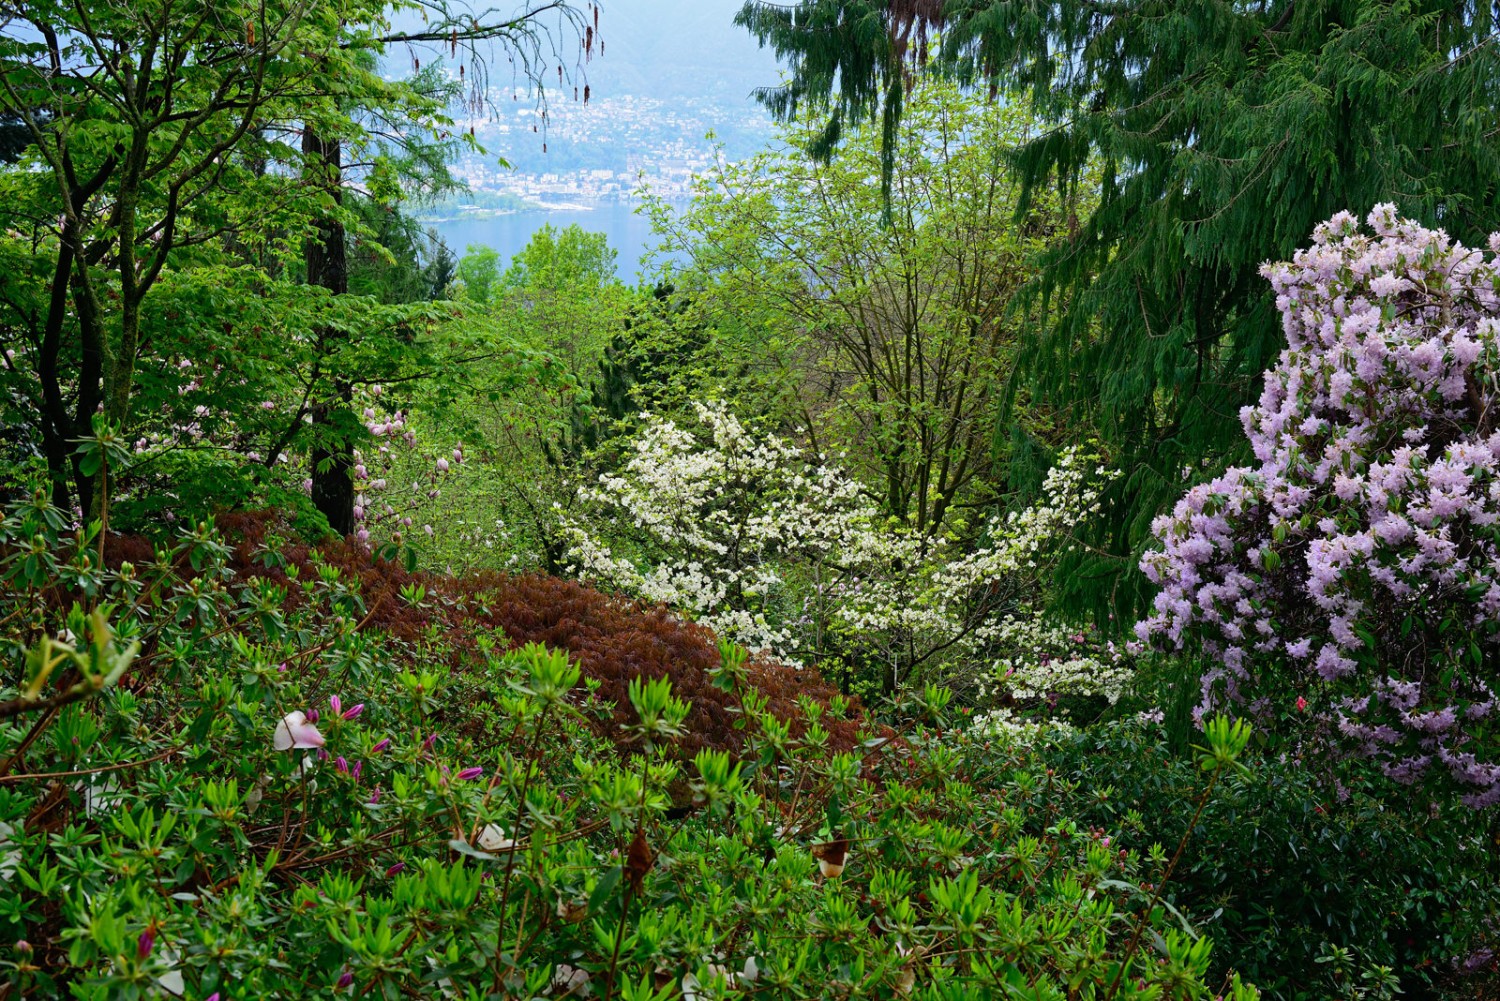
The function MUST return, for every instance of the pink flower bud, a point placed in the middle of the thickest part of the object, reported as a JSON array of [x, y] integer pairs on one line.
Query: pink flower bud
[[342, 765], [442, 465], [346, 979], [335, 703], [394, 869], [469, 773], [353, 711], [145, 943], [382, 745]]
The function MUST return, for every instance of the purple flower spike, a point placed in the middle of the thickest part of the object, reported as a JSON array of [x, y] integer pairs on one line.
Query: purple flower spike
[[469, 773], [145, 943], [394, 869], [353, 711], [382, 745], [335, 704]]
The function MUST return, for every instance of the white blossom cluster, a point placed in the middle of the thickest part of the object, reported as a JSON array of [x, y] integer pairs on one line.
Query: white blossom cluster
[[753, 538], [1005, 726], [1054, 658]]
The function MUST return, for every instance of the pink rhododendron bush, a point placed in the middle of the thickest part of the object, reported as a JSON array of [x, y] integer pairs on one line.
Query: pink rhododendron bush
[[1357, 563]]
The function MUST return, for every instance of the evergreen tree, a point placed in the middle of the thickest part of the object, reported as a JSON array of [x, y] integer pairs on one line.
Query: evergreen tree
[[1221, 132]]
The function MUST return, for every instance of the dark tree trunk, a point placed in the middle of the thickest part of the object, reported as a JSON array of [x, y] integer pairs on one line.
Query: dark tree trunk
[[328, 267]]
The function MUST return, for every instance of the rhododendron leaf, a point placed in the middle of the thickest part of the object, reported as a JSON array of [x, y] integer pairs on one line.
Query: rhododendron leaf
[[464, 848], [605, 888]]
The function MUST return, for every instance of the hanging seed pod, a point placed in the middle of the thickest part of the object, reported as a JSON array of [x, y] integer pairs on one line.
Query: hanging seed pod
[[639, 858], [585, 93], [460, 71], [544, 147]]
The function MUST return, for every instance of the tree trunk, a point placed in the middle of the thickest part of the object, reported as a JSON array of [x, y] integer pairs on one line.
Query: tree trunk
[[327, 267]]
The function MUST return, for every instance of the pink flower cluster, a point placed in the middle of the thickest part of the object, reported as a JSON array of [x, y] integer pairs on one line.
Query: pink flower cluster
[[1363, 549], [378, 504]]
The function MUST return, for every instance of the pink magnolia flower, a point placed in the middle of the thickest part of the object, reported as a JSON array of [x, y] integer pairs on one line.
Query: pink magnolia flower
[[442, 465], [296, 731]]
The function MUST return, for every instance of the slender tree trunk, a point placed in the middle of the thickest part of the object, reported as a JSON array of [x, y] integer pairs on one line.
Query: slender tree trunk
[[328, 267]]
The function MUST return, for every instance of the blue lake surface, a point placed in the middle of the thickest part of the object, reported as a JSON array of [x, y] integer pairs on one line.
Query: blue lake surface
[[629, 233]]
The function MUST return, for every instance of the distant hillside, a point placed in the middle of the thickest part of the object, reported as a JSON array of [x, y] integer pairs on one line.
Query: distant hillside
[[669, 49]]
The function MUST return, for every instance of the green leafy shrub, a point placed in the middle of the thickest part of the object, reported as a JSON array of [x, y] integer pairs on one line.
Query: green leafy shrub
[[213, 783], [187, 487], [1301, 873]]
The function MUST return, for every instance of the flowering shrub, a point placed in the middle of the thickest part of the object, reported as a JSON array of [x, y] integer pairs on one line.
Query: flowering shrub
[[208, 788], [1362, 552], [782, 553]]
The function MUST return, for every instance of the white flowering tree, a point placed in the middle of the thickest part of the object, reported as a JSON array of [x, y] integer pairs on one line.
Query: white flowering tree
[[786, 555]]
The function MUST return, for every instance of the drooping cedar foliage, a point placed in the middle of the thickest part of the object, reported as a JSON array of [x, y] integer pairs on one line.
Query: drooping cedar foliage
[[614, 640]]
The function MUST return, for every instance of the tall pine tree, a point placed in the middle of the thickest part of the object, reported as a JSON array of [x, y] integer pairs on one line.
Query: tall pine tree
[[1220, 132]]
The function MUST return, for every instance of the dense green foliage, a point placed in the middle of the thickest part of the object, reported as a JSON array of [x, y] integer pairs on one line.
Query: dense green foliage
[[379, 621], [1220, 133], [1304, 876], [461, 831]]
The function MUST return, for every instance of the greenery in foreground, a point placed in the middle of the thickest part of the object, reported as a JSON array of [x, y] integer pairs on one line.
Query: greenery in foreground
[[377, 621]]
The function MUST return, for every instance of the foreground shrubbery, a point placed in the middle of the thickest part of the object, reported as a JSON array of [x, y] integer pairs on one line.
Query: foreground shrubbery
[[1310, 878], [207, 787]]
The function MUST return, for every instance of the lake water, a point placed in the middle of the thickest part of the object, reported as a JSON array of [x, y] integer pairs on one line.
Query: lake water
[[628, 233]]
